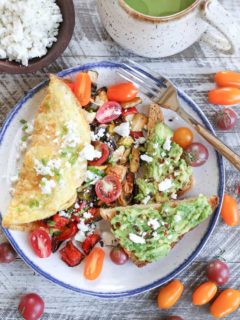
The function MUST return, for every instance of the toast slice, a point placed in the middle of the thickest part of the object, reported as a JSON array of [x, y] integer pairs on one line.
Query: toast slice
[[149, 232]]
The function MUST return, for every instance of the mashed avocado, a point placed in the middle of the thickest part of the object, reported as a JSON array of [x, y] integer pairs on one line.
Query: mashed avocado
[[168, 172], [150, 233]]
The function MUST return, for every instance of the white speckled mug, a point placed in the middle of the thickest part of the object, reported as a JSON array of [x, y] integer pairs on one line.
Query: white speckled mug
[[157, 37]]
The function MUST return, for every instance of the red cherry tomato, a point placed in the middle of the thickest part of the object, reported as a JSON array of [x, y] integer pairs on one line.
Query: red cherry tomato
[[59, 221], [229, 211], [174, 318], [218, 272], [196, 154], [90, 242], [228, 79], [122, 92], [103, 148], [7, 253], [31, 306], [94, 264], [224, 96], [71, 255], [41, 243], [226, 119], [136, 134], [118, 256], [132, 110], [108, 112], [108, 189], [82, 88], [183, 137]]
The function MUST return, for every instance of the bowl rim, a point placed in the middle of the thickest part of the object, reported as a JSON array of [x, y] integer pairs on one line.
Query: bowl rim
[[202, 243], [65, 32]]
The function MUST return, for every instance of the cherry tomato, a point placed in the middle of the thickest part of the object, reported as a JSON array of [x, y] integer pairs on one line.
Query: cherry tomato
[[41, 243], [196, 154], [169, 295], [118, 256], [82, 88], [225, 96], [103, 148], [136, 134], [228, 79], [122, 92], [132, 110], [227, 302], [94, 264], [226, 119], [218, 272], [174, 318], [59, 221], [31, 306], [108, 112], [229, 211], [71, 85], [7, 253], [108, 189], [204, 293], [183, 136]]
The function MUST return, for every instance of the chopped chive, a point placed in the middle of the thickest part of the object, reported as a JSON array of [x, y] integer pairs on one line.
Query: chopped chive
[[33, 203], [24, 138], [22, 121], [51, 223]]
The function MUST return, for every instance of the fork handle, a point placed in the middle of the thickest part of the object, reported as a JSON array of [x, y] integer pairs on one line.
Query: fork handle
[[214, 141]]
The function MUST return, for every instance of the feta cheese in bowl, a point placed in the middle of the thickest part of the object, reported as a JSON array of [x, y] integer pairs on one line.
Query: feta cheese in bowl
[[33, 33]]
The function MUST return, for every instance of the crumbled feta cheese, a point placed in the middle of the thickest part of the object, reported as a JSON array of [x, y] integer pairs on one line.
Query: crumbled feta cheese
[[89, 153], [139, 141], [146, 200], [165, 185], [28, 28], [167, 144], [93, 177], [47, 168], [47, 185], [23, 146], [155, 145], [153, 223], [136, 239], [82, 226], [63, 213], [87, 215], [176, 173], [174, 196], [170, 237], [177, 218], [29, 129], [163, 154], [14, 179], [76, 205], [146, 158], [80, 236], [100, 134], [72, 138], [118, 153], [123, 129]]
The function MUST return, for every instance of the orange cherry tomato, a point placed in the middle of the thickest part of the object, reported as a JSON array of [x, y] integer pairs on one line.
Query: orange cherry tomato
[[94, 264], [229, 212], [227, 302], [71, 85], [225, 96], [122, 92], [169, 295], [228, 79], [82, 88], [183, 136], [204, 293]]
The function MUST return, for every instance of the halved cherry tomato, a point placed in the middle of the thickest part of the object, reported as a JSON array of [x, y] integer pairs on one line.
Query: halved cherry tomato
[[225, 96], [128, 111], [226, 119], [108, 189], [122, 92], [94, 264], [60, 221], [228, 79], [227, 302], [136, 134], [204, 293], [71, 255], [183, 137], [103, 148], [108, 112], [229, 212], [90, 242], [169, 295], [41, 243], [82, 88], [71, 85]]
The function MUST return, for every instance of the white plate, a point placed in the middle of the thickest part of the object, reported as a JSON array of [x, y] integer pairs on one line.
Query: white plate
[[115, 281]]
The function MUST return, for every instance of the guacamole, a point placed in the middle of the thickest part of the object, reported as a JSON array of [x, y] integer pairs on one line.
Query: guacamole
[[166, 172], [150, 233]]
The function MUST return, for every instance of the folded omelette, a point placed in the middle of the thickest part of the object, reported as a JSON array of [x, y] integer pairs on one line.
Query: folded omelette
[[52, 169]]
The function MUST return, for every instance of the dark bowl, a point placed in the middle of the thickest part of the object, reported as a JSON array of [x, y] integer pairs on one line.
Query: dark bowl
[[64, 36]]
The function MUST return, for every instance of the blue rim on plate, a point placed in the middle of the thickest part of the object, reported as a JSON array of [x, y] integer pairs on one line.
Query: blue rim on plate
[[189, 260]]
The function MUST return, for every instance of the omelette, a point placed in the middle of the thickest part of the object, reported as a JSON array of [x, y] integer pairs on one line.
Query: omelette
[[53, 166]]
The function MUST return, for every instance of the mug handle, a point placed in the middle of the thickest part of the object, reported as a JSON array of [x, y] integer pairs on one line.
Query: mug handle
[[219, 18]]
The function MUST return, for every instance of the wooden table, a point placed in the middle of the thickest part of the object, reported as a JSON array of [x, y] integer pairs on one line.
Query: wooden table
[[193, 72]]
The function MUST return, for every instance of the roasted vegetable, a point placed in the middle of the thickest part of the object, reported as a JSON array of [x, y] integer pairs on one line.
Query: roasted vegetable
[[139, 122], [155, 115], [118, 171], [132, 103], [124, 158], [126, 141], [93, 75], [135, 160], [117, 154], [101, 96], [127, 190]]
